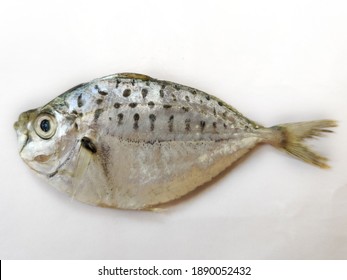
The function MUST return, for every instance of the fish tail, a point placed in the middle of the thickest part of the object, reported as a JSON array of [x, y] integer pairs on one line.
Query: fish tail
[[291, 138]]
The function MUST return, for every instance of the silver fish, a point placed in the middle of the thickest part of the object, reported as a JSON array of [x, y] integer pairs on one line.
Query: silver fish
[[129, 141]]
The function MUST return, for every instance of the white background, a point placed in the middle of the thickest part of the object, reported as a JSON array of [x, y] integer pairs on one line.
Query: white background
[[275, 61]]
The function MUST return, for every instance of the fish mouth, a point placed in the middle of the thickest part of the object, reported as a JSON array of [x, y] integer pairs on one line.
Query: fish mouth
[[23, 140], [22, 137], [20, 126], [16, 125]]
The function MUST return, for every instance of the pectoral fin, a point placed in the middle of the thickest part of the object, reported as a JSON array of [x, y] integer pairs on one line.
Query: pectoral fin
[[85, 154]]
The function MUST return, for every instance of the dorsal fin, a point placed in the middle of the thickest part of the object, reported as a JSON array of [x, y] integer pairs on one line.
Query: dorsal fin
[[134, 76]]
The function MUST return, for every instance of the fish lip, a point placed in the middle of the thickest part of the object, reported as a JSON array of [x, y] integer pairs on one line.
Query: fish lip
[[20, 127], [25, 142], [22, 136], [16, 125]]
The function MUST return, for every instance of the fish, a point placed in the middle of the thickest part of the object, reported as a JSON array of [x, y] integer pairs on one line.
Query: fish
[[129, 141]]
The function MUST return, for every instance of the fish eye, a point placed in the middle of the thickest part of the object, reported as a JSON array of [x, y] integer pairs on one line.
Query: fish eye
[[45, 126]]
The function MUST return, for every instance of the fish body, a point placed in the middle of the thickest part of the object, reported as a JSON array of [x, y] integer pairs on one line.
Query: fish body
[[133, 142]]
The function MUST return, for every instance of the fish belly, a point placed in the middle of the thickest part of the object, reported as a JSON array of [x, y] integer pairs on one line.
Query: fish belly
[[143, 175]]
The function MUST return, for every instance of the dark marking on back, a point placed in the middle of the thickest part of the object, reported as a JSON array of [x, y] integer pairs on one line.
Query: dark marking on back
[[76, 126], [214, 112], [207, 97], [126, 92], [97, 114], [80, 102], [144, 92], [214, 125], [177, 87], [136, 121], [88, 144], [161, 93], [202, 125], [225, 126], [171, 120], [133, 82], [220, 103], [70, 118], [120, 118], [99, 101], [225, 114], [151, 104], [187, 98], [132, 105], [174, 98], [152, 119], [116, 105], [167, 106], [117, 83], [187, 122], [193, 92], [101, 92], [185, 109]]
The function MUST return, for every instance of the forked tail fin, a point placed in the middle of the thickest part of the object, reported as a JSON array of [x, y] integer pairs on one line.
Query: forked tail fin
[[293, 136]]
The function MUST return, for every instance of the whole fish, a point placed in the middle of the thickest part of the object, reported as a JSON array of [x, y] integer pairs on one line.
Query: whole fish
[[133, 142]]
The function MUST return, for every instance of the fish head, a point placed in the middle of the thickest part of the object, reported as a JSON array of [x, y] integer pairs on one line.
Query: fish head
[[46, 138]]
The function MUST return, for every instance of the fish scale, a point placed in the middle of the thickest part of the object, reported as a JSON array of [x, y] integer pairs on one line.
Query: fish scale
[[133, 142], [172, 106]]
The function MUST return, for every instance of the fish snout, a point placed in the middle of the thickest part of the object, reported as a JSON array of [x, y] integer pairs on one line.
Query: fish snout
[[21, 128], [23, 120]]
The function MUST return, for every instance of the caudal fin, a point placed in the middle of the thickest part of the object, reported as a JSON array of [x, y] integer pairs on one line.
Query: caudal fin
[[294, 134]]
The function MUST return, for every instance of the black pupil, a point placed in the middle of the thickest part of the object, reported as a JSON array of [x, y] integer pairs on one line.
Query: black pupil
[[45, 125]]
